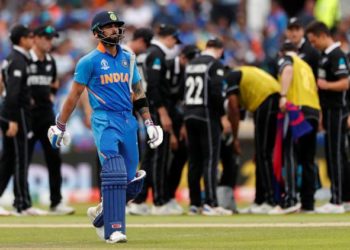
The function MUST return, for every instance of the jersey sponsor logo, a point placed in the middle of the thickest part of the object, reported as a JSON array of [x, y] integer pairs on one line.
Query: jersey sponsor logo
[[156, 64], [48, 67], [220, 72], [104, 64], [33, 68], [17, 73], [39, 80], [196, 69], [114, 78]]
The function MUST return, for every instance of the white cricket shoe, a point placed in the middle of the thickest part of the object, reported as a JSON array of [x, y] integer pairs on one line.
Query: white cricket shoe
[[116, 237], [139, 209], [289, 210], [92, 213], [330, 208], [166, 209], [62, 209], [4, 212], [264, 208], [346, 206], [194, 210], [215, 211], [276, 211], [33, 211], [248, 210], [175, 207]]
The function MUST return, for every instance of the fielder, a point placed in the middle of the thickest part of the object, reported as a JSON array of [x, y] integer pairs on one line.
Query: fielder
[[112, 80]]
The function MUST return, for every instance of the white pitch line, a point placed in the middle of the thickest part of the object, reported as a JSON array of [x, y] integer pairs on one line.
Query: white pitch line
[[203, 225]]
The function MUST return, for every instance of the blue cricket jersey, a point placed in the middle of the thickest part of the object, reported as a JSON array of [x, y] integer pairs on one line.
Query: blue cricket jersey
[[107, 79]]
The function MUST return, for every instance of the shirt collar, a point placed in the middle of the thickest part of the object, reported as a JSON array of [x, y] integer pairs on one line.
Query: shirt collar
[[301, 43], [291, 53], [35, 58], [100, 47], [332, 47], [21, 50], [126, 47], [208, 53], [165, 50]]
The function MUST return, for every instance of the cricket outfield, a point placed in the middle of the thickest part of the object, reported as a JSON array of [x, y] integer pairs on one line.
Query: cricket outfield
[[181, 232]]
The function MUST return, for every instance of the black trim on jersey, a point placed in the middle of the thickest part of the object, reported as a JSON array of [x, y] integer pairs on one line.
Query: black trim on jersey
[[283, 62], [233, 80]]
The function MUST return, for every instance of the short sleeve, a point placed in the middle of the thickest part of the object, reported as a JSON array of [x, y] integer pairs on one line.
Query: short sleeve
[[233, 79], [283, 62], [136, 76], [83, 71], [340, 66]]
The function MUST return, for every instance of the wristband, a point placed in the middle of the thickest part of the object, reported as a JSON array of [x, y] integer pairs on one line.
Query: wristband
[[60, 125]]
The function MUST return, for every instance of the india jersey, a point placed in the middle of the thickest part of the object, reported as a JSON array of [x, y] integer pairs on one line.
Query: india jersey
[[107, 79]]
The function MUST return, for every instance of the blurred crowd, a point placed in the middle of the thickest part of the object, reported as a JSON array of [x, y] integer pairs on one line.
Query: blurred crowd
[[197, 20]]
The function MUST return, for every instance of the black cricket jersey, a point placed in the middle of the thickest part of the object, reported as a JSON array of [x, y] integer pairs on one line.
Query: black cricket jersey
[[15, 72], [333, 66], [310, 55], [155, 70], [42, 74], [203, 87], [175, 77]]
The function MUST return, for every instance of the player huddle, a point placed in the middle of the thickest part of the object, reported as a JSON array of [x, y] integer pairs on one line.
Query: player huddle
[[198, 104]]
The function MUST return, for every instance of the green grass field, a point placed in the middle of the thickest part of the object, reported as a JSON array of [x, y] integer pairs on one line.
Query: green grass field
[[296, 231]]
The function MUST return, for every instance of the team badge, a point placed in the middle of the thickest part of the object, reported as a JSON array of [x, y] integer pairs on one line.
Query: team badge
[[48, 67], [104, 64], [112, 16], [33, 68], [124, 63]]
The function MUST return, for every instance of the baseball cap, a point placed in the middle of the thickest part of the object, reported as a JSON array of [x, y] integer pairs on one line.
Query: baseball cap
[[19, 31], [105, 17], [169, 30], [47, 31], [145, 33], [215, 43], [190, 51], [294, 22]]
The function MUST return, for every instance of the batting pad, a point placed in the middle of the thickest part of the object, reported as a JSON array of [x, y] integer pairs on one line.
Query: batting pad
[[114, 180], [133, 188]]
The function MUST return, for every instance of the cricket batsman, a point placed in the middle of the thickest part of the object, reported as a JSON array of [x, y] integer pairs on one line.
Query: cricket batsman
[[113, 82]]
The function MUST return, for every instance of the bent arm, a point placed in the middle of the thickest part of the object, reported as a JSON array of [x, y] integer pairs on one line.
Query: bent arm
[[338, 86]]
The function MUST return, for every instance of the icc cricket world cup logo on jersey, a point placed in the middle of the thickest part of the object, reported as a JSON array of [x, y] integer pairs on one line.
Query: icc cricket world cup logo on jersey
[[104, 64]]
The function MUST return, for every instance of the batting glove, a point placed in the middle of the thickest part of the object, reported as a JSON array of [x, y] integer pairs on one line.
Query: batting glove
[[57, 135], [155, 134]]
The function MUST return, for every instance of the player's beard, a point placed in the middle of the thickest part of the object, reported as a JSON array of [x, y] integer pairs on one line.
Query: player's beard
[[113, 39]]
